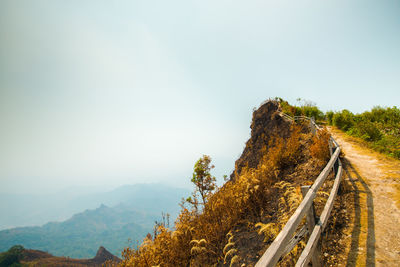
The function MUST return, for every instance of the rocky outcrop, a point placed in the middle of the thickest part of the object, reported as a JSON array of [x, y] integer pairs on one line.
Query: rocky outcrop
[[266, 122], [104, 255]]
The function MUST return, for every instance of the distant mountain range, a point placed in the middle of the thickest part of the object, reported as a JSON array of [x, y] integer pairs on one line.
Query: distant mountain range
[[129, 215], [38, 209]]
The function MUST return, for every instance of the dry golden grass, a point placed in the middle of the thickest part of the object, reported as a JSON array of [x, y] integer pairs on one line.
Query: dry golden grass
[[319, 148], [243, 217], [259, 201]]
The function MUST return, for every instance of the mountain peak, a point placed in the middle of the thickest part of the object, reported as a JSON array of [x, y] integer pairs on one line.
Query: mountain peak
[[266, 123], [103, 255]]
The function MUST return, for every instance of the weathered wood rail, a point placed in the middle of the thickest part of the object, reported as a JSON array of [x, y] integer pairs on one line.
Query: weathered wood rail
[[287, 238]]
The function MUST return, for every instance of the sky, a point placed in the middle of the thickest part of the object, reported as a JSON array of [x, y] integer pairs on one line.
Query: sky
[[106, 93]]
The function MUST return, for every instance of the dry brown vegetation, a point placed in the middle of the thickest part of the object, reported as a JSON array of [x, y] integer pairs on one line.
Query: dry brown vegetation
[[318, 148], [30, 257], [241, 219]]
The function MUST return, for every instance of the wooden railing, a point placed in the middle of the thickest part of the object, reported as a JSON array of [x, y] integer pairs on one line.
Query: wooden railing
[[287, 238]]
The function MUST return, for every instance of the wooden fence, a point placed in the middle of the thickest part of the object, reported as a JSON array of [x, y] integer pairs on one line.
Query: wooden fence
[[287, 238]]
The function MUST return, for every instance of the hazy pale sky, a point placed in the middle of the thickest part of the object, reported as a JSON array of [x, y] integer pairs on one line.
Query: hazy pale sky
[[115, 92]]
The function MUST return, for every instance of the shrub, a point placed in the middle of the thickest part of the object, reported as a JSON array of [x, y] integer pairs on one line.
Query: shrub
[[306, 108], [380, 127], [12, 256], [344, 120], [319, 148], [312, 112], [329, 116], [289, 109], [396, 153], [367, 131]]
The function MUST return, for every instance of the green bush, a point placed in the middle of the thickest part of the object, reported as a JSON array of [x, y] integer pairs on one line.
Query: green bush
[[367, 131], [396, 154], [306, 108], [312, 112], [329, 116], [380, 127], [344, 120], [12, 256]]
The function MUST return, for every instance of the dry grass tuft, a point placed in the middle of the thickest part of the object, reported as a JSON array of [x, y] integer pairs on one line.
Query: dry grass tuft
[[319, 148], [257, 197]]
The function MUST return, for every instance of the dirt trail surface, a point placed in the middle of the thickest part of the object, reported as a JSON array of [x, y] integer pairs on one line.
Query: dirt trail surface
[[373, 238]]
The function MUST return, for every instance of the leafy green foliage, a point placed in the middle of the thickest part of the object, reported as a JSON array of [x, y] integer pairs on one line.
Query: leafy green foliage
[[204, 182], [329, 117], [380, 127], [343, 120], [12, 256], [367, 130], [305, 108]]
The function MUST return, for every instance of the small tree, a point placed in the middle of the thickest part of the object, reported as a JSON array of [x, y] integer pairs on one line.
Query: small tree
[[204, 182], [12, 256]]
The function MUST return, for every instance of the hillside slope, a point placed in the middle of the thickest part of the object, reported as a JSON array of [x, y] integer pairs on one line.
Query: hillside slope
[[374, 233], [81, 235], [132, 216], [19, 256], [241, 219]]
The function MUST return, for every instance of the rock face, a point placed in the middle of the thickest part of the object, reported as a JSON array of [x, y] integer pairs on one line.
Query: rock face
[[266, 123], [104, 255]]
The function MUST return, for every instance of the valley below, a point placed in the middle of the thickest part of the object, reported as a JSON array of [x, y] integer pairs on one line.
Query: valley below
[[122, 218]]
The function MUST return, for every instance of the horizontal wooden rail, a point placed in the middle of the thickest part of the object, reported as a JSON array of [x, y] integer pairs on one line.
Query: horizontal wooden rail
[[295, 118], [287, 116], [296, 238], [334, 142], [319, 228], [284, 240]]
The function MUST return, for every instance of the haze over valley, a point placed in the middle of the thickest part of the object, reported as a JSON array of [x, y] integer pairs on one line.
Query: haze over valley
[[112, 112], [81, 223]]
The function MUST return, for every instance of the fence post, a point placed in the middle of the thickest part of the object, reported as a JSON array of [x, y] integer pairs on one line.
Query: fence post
[[312, 126], [341, 188], [330, 146], [336, 165], [310, 218], [331, 151]]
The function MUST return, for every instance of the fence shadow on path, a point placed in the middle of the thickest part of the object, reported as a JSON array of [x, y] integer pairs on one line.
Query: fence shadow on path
[[360, 187]]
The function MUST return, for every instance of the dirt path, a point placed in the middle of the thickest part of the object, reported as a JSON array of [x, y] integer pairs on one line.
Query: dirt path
[[374, 237]]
